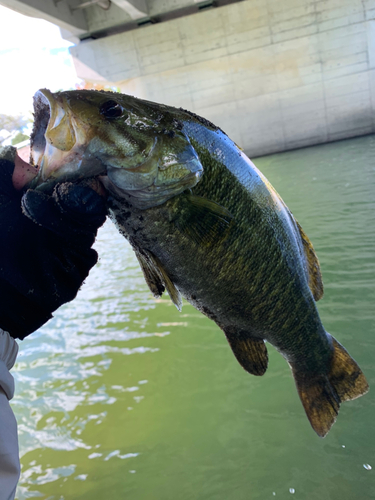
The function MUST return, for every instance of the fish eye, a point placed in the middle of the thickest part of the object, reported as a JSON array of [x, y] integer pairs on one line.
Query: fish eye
[[111, 109]]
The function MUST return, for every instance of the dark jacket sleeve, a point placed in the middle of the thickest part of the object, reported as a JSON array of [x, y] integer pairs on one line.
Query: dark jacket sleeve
[[45, 249]]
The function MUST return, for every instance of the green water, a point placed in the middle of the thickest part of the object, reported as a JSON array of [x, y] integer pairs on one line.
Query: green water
[[123, 397]]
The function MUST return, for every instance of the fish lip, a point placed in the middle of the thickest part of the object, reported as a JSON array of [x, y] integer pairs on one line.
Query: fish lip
[[50, 110], [42, 114], [46, 111], [55, 159]]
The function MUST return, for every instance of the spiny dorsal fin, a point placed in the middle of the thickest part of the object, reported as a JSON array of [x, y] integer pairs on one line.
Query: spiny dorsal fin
[[202, 220], [250, 353], [156, 277], [313, 266]]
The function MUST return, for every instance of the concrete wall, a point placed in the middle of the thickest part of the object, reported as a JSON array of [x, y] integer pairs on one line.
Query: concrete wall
[[275, 75]]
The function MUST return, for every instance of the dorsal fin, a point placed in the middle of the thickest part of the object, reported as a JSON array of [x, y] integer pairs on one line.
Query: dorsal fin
[[314, 274], [251, 353], [156, 276]]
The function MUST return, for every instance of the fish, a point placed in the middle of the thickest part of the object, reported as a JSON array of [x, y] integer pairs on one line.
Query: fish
[[205, 225]]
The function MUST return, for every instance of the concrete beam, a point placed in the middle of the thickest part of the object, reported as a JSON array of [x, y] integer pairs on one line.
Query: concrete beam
[[70, 36], [137, 9], [59, 12]]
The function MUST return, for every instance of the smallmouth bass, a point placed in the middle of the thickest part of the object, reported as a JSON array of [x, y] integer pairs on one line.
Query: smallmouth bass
[[205, 225]]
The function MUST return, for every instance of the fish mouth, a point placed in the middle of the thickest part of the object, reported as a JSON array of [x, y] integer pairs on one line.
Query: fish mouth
[[53, 135], [58, 142]]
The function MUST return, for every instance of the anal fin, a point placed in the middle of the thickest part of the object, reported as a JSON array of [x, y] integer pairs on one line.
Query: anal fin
[[251, 353], [156, 276]]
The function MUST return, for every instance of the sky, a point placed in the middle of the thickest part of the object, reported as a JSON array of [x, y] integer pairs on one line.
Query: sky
[[32, 56]]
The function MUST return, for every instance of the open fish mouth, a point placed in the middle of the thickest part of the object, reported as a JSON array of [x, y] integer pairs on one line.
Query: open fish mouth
[[59, 142], [53, 137]]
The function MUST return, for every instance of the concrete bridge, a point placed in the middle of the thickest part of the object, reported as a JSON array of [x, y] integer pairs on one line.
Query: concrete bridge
[[274, 74]]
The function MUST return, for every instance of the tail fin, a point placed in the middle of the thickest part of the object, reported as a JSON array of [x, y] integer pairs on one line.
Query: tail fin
[[322, 394]]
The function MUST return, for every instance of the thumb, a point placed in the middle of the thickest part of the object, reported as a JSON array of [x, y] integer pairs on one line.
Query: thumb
[[23, 173]]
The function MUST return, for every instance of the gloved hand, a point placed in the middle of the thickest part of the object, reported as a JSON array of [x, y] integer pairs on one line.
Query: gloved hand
[[45, 248]]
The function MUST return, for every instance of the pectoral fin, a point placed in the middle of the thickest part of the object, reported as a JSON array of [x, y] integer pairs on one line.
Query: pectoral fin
[[314, 273], [250, 353], [203, 220], [156, 277]]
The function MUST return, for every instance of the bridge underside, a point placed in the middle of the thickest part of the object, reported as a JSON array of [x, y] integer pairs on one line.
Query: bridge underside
[[274, 75]]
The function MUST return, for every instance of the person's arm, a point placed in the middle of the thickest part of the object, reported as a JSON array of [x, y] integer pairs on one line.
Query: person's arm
[[9, 456], [45, 255], [45, 248]]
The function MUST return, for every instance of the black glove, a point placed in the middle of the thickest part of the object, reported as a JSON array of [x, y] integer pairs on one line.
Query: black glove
[[45, 249]]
